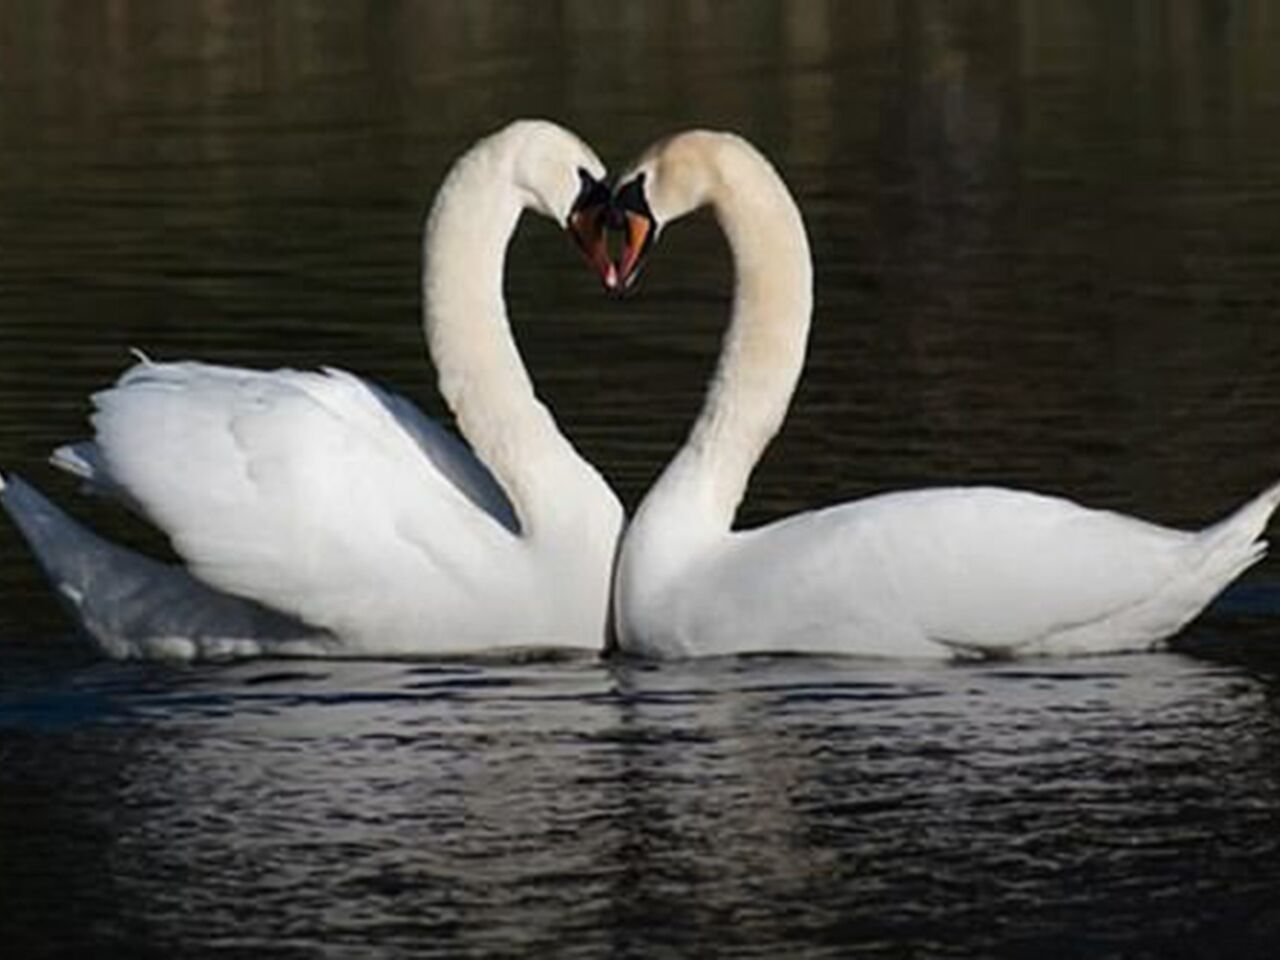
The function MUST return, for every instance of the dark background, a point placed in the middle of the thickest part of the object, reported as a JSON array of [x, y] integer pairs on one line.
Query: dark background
[[1047, 255]]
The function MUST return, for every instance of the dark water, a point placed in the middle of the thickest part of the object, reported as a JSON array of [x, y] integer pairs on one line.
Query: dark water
[[755, 808], [1047, 242]]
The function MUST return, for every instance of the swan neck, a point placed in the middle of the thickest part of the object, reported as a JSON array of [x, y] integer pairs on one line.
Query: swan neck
[[479, 370], [763, 350]]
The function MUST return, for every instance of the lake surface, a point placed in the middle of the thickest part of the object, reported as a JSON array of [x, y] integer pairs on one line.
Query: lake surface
[[1047, 250]]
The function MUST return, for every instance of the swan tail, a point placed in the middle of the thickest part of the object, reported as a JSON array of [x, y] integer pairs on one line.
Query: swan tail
[[134, 607], [1243, 529], [1234, 544]]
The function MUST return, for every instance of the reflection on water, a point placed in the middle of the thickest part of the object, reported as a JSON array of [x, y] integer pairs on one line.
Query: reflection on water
[[590, 810], [1046, 252]]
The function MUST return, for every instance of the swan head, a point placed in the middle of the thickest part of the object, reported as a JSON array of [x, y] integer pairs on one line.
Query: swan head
[[556, 174], [674, 177]]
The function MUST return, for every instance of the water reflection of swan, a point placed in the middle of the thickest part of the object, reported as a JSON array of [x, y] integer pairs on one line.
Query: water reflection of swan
[[321, 515], [929, 573]]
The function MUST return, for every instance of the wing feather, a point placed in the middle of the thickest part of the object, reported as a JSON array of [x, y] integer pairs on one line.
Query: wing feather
[[305, 491]]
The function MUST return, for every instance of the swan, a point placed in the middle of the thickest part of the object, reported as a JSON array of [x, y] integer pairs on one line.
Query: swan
[[319, 515], [931, 573]]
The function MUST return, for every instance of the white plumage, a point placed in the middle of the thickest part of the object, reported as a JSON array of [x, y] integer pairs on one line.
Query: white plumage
[[302, 491]]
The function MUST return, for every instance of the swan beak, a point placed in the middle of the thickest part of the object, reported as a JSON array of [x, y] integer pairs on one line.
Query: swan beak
[[587, 224], [639, 231]]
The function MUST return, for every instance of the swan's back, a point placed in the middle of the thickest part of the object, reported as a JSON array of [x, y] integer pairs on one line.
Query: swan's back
[[979, 570]]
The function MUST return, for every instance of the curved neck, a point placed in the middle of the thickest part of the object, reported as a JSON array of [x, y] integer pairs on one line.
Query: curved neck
[[763, 350], [480, 373]]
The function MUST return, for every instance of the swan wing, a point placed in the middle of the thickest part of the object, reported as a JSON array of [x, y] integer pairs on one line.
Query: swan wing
[[451, 456], [979, 570], [309, 492]]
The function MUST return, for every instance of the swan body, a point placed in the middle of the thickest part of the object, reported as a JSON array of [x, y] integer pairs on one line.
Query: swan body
[[319, 515], [934, 573]]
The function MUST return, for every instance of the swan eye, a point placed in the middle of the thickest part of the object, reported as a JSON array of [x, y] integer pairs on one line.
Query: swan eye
[[592, 194], [630, 197]]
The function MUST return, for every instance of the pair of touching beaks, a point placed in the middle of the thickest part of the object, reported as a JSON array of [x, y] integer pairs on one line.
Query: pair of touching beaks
[[599, 212]]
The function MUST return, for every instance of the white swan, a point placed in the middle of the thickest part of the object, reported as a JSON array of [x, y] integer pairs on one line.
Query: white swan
[[320, 515], [928, 573]]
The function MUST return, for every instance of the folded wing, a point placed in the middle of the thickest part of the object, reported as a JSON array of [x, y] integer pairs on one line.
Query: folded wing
[[312, 493]]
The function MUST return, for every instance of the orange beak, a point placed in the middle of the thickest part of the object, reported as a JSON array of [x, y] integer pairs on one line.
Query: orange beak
[[588, 228], [638, 230]]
